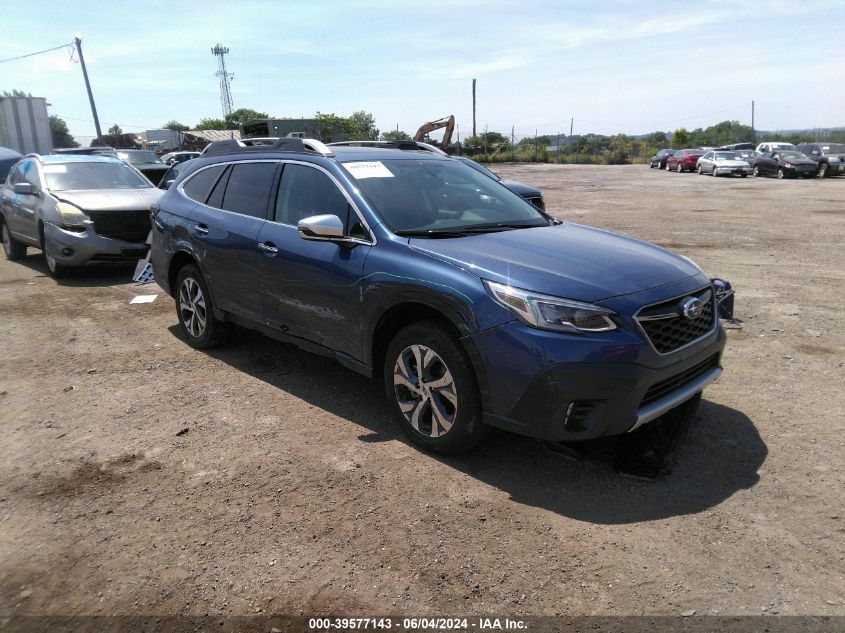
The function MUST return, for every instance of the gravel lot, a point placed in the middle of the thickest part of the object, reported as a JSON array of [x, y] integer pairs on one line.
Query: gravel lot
[[293, 492]]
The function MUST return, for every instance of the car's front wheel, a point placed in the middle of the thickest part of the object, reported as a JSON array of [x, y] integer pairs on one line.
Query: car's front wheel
[[11, 247], [194, 308], [823, 169], [56, 270], [756, 171], [432, 389], [781, 173]]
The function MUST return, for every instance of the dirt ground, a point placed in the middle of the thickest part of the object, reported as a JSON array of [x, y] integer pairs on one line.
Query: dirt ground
[[293, 492]]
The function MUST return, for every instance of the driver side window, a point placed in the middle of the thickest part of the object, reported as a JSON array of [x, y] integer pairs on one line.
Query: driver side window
[[305, 191]]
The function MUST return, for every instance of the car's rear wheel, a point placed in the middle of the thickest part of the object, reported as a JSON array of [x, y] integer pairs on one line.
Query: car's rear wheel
[[680, 168], [700, 170], [756, 171], [823, 170], [781, 173], [432, 389], [195, 311], [11, 247], [667, 166]]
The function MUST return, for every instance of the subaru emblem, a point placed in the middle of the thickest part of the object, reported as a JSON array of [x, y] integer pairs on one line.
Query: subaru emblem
[[692, 308]]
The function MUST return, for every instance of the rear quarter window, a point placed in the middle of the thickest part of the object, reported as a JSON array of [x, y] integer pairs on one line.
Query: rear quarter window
[[198, 187]]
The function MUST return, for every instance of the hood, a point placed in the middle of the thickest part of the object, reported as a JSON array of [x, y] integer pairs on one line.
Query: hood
[[526, 191], [798, 161], [731, 163], [111, 199], [567, 260]]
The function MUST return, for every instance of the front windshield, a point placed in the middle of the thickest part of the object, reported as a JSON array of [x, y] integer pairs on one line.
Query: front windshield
[[412, 195], [85, 175], [834, 148], [139, 157], [480, 168], [726, 156]]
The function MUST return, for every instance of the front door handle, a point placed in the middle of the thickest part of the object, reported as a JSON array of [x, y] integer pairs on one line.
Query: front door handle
[[268, 248], [201, 230]]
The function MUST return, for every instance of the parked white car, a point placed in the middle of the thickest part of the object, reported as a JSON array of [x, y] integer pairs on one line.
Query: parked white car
[[773, 146], [721, 163]]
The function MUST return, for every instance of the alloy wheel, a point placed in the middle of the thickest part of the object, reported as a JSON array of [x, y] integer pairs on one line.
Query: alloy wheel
[[192, 307], [425, 391]]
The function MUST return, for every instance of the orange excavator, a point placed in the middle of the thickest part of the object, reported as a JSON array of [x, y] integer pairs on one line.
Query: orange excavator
[[448, 122]]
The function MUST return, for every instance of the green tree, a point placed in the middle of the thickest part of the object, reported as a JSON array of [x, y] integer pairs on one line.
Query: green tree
[[175, 125], [60, 134], [115, 129], [16, 93], [361, 126], [211, 124], [235, 119], [395, 135], [680, 138], [331, 127]]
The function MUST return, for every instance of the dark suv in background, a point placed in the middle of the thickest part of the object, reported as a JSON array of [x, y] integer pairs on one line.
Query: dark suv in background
[[830, 157], [474, 307]]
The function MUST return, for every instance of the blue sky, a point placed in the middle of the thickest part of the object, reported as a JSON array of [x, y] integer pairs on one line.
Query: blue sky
[[623, 66]]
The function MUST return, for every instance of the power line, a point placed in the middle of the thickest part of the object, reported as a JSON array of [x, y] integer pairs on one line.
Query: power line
[[69, 46]]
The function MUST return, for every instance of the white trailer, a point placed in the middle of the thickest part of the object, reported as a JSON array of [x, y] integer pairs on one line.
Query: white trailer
[[24, 125]]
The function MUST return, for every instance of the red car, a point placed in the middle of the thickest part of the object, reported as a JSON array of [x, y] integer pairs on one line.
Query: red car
[[684, 160]]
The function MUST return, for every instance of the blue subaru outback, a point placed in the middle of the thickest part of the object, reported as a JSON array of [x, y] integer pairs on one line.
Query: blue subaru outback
[[473, 306]]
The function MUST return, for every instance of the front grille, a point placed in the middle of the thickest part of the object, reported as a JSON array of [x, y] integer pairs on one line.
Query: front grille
[[667, 386], [537, 202], [668, 329], [129, 226]]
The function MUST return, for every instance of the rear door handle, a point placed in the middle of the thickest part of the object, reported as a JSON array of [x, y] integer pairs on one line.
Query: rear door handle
[[268, 248], [201, 230]]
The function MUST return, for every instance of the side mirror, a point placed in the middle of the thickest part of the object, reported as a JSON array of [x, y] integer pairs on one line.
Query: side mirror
[[24, 189], [321, 227]]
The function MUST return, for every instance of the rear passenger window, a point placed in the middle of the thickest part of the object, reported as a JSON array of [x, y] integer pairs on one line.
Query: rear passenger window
[[306, 191], [248, 188], [199, 185]]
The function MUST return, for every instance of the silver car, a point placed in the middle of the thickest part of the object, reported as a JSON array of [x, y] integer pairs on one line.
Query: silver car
[[77, 209], [721, 163]]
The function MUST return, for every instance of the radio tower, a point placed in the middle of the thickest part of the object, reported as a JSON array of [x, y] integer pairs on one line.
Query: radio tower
[[221, 51]]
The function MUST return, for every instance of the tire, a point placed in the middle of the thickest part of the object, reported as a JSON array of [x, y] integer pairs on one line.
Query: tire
[[667, 166], [756, 171], [700, 171], [195, 313], [13, 249], [56, 270], [713, 171], [824, 170], [743, 175], [781, 173], [446, 418], [680, 169]]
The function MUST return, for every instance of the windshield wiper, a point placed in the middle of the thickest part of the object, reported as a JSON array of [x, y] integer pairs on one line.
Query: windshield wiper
[[434, 233]]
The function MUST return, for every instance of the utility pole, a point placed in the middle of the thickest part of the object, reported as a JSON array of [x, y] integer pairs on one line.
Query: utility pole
[[753, 132], [558, 147], [513, 147], [569, 145], [221, 51], [473, 107], [78, 43], [535, 145]]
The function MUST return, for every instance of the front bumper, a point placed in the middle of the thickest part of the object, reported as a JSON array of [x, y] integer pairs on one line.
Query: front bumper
[[77, 249], [720, 171], [562, 388]]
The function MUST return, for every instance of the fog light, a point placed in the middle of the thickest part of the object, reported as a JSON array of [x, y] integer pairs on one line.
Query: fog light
[[67, 252]]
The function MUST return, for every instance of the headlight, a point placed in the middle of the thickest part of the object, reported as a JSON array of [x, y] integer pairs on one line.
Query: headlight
[[71, 216], [787, 164], [552, 313]]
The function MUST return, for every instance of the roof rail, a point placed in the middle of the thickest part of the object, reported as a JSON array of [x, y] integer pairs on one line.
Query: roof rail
[[284, 143]]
